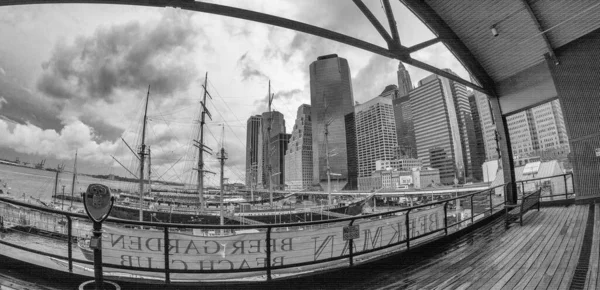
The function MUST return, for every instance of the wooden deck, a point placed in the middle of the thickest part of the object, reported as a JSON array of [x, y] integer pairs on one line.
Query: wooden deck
[[542, 254]]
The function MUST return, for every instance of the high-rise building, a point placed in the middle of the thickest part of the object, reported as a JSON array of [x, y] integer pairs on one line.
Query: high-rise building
[[523, 137], [280, 144], [538, 131], [476, 141], [252, 149], [405, 131], [375, 133], [441, 117], [550, 125], [276, 122], [488, 127], [331, 100], [298, 157], [351, 150], [404, 83]]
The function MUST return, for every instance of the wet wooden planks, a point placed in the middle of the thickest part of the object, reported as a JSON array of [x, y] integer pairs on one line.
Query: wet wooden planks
[[593, 281], [542, 254], [10, 283]]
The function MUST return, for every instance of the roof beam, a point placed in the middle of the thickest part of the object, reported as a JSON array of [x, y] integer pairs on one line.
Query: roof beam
[[393, 27], [424, 44], [452, 42], [365, 10], [541, 30]]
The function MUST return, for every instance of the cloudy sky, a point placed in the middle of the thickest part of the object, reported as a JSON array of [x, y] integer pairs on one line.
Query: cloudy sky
[[74, 77]]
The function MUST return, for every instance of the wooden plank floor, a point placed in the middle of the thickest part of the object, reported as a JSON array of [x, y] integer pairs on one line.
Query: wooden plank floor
[[593, 281], [542, 254]]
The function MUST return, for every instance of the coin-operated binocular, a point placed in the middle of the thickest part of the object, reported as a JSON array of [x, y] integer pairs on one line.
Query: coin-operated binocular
[[98, 203]]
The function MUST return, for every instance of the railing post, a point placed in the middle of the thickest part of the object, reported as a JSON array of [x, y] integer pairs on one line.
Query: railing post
[[566, 187], [167, 270], [70, 243], [446, 218], [406, 223], [472, 210], [491, 203], [522, 188], [268, 254], [350, 249]]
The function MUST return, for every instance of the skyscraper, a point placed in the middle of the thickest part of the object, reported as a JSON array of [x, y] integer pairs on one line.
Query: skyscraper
[[538, 130], [252, 149], [375, 133], [404, 83], [476, 141], [488, 126], [299, 157], [441, 117], [405, 131], [331, 99], [280, 144], [276, 121]]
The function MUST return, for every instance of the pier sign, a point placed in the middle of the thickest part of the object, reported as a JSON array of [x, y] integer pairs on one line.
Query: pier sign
[[351, 233], [303, 245]]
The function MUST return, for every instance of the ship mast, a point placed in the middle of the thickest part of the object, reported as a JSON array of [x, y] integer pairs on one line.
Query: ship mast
[[201, 147], [222, 156], [141, 155], [269, 167], [74, 176]]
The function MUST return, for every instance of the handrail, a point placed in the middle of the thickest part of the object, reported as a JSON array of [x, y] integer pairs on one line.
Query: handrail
[[269, 266], [207, 226]]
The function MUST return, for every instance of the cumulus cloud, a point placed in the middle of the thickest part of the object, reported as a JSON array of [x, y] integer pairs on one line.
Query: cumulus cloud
[[126, 56], [370, 80], [30, 139], [249, 68]]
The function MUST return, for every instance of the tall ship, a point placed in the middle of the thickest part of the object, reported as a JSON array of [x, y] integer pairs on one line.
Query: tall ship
[[197, 207]]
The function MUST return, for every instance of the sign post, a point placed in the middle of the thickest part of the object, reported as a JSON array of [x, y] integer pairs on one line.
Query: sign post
[[98, 203]]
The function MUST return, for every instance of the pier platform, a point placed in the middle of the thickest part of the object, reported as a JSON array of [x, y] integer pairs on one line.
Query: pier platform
[[556, 248]]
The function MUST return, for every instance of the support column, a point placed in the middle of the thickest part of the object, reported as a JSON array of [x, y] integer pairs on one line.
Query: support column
[[508, 168]]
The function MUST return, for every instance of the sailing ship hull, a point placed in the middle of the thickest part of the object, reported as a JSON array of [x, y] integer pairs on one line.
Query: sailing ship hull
[[212, 217]]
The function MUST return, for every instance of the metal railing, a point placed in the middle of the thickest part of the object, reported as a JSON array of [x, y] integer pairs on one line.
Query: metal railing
[[477, 205], [521, 184]]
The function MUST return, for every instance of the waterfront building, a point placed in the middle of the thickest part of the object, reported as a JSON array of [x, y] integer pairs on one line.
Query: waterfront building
[[276, 121], [386, 179], [442, 118], [375, 133], [404, 83], [253, 126], [425, 177], [476, 141], [398, 164], [331, 100], [298, 156]]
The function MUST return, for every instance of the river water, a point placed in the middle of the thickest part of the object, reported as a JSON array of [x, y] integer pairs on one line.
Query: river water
[[23, 182]]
